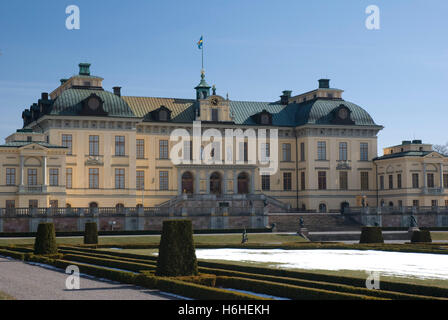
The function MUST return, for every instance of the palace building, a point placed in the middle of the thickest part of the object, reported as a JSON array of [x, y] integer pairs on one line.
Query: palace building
[[84, 146]]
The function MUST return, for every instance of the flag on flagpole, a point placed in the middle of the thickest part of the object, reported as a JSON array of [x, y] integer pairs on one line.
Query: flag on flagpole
[[200, 43]]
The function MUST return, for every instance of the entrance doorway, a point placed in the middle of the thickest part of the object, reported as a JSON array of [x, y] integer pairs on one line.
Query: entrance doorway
[[215, 183], [243, 183], [187, 183]]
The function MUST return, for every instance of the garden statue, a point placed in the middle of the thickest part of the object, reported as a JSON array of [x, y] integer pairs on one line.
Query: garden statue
[[412, 222], [244, 238], [301, 222]]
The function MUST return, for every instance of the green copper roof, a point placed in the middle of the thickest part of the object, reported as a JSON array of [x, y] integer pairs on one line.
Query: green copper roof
[[18, 144], [69, 103], [318, 111], [404, 154], [243, 111]]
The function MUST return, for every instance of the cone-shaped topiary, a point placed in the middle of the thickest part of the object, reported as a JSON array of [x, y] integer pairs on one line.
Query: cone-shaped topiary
[[371, 235], [45, 242], [421, 236], [177, 255], [91, 233]]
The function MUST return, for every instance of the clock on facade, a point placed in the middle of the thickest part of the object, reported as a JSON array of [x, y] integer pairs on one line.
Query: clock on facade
[[93, 103], [214, 101], [343, 113]]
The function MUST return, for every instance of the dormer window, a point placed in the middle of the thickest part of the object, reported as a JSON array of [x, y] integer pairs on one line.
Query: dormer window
[[264, 119], [163, 115], [214, 114]]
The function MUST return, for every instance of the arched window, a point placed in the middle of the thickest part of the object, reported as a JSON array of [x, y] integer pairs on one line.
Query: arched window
[[119, 207], [93, 205], [215, 183], [243, 183], [163, 115], [322, 208], [187, 183]]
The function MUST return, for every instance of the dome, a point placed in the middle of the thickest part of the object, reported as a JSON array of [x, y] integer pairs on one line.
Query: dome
[[69, 102], [321, 111]]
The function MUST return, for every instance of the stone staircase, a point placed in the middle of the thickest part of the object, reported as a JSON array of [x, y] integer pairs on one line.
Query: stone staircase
[[315, 222]]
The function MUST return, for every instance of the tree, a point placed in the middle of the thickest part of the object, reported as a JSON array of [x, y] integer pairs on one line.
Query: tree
[[45, 242], [441, 148]]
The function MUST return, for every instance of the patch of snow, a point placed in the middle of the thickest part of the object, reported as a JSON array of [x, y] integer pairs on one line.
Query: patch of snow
[[398, 264]]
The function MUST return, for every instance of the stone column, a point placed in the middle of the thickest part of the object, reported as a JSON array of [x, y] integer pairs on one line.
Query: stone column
[[179, 182], [22, 175], [44, 172], [207, 179], [252, 182], [441, 176], [224, 181], [197, 182], [235, 182], [424, 176]]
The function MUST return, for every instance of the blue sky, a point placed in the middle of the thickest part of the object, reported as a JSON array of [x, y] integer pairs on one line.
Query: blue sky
[[253, 50]]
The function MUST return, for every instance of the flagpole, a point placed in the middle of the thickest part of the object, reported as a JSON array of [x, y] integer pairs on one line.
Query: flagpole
[[202, 51]]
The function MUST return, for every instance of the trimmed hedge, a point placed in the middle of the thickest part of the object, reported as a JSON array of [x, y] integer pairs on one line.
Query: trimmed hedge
[[177, 255], [111, 263], [45, 242], [90, 233], [351, 281], [12, 254], [421, 236], [287, 290], [371, 235]]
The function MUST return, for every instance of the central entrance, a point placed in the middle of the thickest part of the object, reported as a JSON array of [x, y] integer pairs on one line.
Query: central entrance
[[187, 183], [243, 183], [215, 183]]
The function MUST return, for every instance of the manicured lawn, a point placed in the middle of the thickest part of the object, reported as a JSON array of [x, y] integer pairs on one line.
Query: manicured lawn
[[4, 296], [264, 238], [439, 235]]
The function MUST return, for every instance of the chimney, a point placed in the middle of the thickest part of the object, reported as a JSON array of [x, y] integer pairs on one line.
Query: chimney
[[117, 91], [324, 83], [284, 98], [84, 69], [44, 96]]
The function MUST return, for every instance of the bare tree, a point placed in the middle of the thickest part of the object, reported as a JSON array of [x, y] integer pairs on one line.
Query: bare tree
[[441, 148]]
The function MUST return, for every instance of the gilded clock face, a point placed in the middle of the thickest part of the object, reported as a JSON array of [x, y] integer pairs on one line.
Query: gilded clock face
[[93, 103], [343, 113], [214, 101]]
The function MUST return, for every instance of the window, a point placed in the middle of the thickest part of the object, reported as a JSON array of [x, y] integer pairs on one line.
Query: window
[[265, 182], [33, 204], [321, 150], [286, 150], [400, 203], [140, 149], [399, 181], [446, 203], [188, 154], [10, 176], [119, 146], [391, 181], [445, 180], [343, 180], [67, 142], [364, 151], [93, 178], [68, 178], [163, 149], [10, 204], [343, 151], [214, 114], [434, 203], [364, 180], [163, 115], [415, 203], [287, 181], [163, 180], [243, 151], [54, 177], [140, 180], [264, 119], [54, 203], [430, 180], [322, 180], [119, 178], [32, 177], [265, 152], [382, 182], [415, 180], [302, 151], [94, 142], [302, 180]]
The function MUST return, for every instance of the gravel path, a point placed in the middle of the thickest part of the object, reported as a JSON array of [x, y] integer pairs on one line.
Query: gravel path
[[29, 282]]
